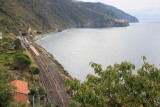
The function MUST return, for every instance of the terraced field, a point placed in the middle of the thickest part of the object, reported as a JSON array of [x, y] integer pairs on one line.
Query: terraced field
[[7, 51]]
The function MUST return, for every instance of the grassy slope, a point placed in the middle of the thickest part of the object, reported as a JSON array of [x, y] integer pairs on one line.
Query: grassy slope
[[7, 50], [109, 10], [47, 15], [7, 53]]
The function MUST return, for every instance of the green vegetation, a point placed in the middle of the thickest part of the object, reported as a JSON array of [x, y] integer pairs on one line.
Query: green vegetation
[[6, 95], [39, 94], [34, 71], [108, 10], [12, 56], [118, 87], [7, 50], [17, 16], [46, 16], [17, 44], [22, 61]]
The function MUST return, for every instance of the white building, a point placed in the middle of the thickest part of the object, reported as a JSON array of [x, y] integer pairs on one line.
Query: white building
[[0, 35]]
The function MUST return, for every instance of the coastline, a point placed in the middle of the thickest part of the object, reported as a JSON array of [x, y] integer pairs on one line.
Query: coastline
[[58, 65], [37, 37], [40, 36]]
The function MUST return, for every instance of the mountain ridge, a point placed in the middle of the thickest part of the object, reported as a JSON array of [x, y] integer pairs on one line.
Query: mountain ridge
[[50, 15], [108, 9]]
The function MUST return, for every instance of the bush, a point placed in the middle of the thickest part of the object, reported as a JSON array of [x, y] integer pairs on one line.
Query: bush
[[22, 61], [34, 71], [118, 87], [6, 95], [17, 44]]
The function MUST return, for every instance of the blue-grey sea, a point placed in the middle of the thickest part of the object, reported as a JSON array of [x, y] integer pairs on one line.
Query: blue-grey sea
[[76, 48]]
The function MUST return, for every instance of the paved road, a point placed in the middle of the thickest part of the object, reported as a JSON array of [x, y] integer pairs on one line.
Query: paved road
[[51, 79]]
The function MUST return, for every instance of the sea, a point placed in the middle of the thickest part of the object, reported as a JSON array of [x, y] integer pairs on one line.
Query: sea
[[75, 48]]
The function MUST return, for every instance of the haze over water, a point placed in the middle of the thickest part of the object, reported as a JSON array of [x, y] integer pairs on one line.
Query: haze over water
[[76, 48]]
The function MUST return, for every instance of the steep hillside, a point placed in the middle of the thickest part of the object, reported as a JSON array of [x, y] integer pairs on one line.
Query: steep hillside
[[109, 10], [49, 15]]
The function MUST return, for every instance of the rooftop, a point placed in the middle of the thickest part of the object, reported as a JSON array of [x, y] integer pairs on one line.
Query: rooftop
[[22, 87]]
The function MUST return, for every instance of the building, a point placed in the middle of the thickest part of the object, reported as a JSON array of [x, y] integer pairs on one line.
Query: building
[[120, 20], [21, 91], [0, 35]]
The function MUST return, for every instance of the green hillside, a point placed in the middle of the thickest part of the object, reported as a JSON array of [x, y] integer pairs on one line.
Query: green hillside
[[49, 15], [108, 10]]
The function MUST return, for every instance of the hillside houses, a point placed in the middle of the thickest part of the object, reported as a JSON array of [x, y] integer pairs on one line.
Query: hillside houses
[[120, 20]]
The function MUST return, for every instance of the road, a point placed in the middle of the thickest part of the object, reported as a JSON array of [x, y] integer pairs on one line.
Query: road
[[50, 78]]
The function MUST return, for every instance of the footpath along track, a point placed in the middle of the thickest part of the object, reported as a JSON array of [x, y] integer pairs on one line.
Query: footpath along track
[[51, 79]]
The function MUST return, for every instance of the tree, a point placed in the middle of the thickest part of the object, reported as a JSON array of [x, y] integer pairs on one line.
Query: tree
[[34, 71], [17, 44], [6, 95], [38, 93], [118, 87], [22, 61]]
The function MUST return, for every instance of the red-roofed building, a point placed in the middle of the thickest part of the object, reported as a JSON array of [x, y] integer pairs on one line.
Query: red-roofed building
[[21, 91]]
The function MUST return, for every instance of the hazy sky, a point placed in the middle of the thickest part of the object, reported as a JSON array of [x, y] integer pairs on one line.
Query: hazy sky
[[150, 8]]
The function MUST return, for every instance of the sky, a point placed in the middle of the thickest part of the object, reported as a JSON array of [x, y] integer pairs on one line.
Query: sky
[[143, 9]]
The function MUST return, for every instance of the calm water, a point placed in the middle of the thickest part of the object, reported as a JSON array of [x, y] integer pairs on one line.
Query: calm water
[[76, 48]]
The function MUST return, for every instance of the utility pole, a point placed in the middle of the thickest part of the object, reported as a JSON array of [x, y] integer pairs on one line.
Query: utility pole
[[33, 101], [38, 96]]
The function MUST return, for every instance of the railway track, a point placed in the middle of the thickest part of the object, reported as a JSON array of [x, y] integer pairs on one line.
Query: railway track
[[50, 78], [51, 81]]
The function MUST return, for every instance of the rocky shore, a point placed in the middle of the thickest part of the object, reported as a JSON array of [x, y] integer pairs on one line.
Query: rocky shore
[[59, 66]]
